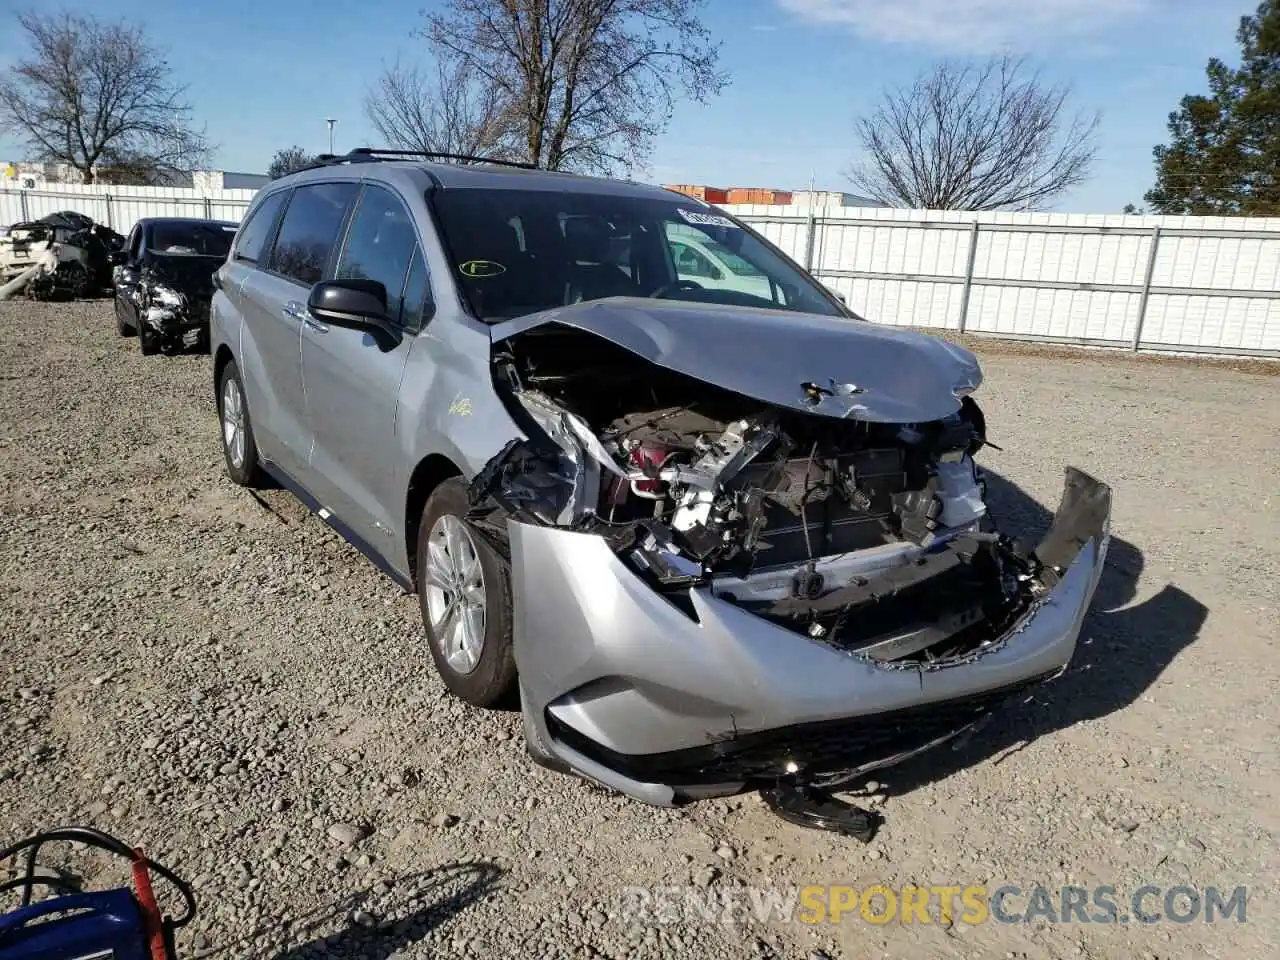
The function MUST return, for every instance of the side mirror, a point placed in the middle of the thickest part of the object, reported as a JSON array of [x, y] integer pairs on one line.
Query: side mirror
[[717, 273], [354, 304], [836, 293], [117, 258]]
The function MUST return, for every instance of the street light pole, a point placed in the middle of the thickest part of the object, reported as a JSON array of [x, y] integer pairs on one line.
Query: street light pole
[[330, 121]]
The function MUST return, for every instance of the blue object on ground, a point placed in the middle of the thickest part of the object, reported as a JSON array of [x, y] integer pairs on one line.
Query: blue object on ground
[[120, 924], [106, 924]]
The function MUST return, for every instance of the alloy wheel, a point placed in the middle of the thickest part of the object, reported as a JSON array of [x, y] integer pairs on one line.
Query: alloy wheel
[[455, 593], [233, 422]]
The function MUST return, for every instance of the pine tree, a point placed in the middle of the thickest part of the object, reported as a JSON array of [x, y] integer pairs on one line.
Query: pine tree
[[1224, 153]]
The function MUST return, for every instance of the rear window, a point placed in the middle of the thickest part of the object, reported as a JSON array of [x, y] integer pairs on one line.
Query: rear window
[[192, 239], [256, 231]]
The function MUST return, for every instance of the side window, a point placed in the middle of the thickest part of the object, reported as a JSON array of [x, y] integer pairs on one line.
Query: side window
[[517, 225], [690, 264], [380, 243], [251, 243], [135, 242], [620, 253], [417, 294], [310, 229]]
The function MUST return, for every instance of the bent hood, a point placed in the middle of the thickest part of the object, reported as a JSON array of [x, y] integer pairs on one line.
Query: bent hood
[[831, 366]]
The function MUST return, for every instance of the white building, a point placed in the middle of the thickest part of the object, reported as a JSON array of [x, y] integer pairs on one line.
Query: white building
[[36, 176], [819, 199]]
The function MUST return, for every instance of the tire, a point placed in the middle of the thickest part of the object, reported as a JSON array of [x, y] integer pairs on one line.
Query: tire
[[148, 340], [76, 280], [491, 681], [41, 289], [123, 328], [247, 472]]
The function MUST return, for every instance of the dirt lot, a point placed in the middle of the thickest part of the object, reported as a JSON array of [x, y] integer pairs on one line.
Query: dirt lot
[[218, 676]]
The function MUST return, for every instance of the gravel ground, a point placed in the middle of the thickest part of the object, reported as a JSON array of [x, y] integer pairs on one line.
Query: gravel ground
[[217, 676]]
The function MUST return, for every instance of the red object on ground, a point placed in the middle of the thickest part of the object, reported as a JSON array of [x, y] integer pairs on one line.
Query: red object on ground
[[151, 915]]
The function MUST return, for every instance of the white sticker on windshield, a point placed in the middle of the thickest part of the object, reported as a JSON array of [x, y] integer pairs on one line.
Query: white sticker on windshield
[[706, 219], [229, 229]]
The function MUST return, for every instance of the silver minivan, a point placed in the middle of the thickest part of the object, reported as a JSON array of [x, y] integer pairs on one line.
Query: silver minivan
[[712, 537]]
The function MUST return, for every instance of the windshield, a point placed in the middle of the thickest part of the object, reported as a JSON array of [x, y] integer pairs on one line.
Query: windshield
[[522, 251], [731, 260], [192, 239]]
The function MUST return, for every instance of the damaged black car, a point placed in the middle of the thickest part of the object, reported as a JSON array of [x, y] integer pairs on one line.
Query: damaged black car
[[164, 281]]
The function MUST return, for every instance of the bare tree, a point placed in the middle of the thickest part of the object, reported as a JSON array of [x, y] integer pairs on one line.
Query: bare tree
[[128, 171], [974, 138], [91, 93], [581, 84], [450, 111]]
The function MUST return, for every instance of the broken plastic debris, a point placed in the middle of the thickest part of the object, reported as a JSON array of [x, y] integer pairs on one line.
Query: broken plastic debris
[[806, 806]]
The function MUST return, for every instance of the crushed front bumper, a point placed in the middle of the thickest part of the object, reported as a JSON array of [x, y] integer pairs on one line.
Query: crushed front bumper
[[176, 321], [629, 689]]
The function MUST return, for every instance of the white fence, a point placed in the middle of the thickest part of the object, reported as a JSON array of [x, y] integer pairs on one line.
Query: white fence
[[121, 207], [1186, 284]]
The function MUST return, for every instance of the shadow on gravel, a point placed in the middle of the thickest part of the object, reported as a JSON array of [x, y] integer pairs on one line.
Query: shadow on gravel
[[417, 905], [1121, 652]]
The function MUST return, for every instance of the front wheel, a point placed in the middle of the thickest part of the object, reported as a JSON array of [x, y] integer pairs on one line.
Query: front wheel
[[238, 446], [148, 340], [123, 328], [464, 590]]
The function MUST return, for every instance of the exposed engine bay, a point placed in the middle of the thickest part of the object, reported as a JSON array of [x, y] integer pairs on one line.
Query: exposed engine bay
[[873, 537]]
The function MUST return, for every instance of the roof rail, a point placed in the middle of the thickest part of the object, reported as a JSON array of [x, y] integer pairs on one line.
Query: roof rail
[[374, 154]]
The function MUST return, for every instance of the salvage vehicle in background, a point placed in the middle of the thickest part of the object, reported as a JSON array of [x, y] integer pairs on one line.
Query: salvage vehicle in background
[[715, 539], [164, 281], [64, 255]]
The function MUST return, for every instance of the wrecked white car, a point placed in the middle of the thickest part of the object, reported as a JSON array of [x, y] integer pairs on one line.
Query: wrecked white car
[[64, 255], [714, 538]]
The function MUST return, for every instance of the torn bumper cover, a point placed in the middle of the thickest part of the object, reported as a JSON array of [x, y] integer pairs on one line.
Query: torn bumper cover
[[675, 695], [170, 312]]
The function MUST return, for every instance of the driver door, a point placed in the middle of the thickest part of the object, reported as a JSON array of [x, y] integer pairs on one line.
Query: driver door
[[353, 382]]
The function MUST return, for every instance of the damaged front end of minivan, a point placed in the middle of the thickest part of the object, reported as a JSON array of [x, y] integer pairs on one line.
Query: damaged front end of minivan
[[760, 555]]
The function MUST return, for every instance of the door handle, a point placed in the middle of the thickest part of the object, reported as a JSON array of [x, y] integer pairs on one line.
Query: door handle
[[296, 310]]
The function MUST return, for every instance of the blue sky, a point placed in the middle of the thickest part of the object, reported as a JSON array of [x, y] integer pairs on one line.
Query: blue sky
[[263, 75]]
